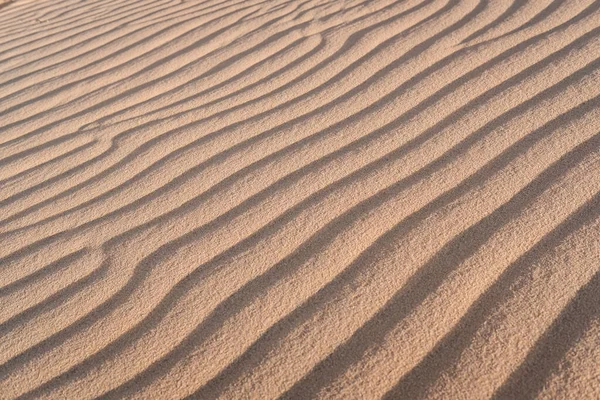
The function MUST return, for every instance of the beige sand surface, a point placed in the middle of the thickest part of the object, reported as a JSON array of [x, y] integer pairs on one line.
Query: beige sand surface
[[300, 199]]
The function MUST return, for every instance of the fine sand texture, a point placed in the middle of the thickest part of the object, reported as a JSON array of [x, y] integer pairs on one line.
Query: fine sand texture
[[297, 199]]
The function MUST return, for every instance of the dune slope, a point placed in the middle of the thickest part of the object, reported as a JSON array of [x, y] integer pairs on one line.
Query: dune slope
[[300, 199]]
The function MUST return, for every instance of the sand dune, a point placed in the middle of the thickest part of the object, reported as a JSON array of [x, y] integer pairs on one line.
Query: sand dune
[[300, 199]]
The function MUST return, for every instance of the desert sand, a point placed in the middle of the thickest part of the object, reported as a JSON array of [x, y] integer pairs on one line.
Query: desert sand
[[300, 199]]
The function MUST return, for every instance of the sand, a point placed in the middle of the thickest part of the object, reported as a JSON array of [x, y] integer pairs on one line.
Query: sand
[[300, 199]]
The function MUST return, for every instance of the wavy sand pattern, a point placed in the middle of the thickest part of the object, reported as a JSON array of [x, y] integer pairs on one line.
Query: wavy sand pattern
[[300, 199]]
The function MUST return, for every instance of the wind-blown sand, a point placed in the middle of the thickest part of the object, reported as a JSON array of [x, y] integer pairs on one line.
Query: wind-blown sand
[[300, 198]]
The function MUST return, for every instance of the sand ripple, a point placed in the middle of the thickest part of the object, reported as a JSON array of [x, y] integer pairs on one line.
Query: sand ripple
[[300, 199]]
